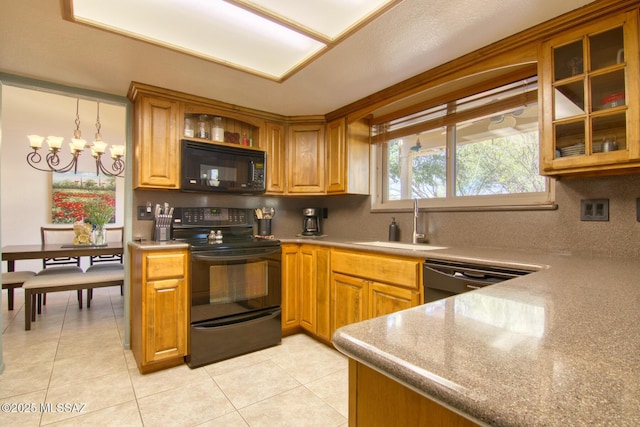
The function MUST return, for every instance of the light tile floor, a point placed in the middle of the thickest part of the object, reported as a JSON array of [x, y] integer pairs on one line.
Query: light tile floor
[[76, 358]]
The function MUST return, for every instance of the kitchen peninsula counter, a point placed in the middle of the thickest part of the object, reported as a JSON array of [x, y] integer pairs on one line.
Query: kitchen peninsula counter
[[558, 347]]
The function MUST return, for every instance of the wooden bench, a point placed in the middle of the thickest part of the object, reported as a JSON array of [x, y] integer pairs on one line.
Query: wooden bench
[[73, 281], [12, 280]]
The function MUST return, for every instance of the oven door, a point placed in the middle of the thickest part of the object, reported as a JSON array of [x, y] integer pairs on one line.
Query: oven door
[[235, 303], [234, 283]]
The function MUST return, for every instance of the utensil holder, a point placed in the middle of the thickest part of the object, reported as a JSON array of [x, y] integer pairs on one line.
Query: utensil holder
[[264, 227]]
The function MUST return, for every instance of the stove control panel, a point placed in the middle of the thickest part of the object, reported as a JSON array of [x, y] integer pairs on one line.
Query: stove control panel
[[212, 217]]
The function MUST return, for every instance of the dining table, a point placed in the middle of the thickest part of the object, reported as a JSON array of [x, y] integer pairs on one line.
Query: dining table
[[13, 253]]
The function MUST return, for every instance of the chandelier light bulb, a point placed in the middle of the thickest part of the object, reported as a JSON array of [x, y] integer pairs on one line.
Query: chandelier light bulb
[[117, 151], [55, 142], [35, 141], [77, 144], [99, 146]]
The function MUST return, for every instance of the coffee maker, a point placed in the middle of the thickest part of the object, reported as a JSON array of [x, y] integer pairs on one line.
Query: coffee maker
[[311, 218]]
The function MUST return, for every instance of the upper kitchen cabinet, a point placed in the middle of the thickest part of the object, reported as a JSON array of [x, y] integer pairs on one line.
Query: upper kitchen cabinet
[[348, 157], [305, 159], [276, 158], [590, 100], [156, 141], [317, 159], [162, 118]]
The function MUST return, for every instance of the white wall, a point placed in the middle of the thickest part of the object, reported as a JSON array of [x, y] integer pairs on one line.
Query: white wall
[[25, 192]]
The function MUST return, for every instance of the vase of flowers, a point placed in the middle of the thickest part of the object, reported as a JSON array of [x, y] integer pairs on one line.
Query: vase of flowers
[[99, 214]]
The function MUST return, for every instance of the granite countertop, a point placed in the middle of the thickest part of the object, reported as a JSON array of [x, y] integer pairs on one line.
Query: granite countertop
[[558, 347]]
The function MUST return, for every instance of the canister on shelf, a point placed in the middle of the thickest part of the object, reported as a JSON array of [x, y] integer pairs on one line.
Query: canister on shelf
[[188, 127], [217, 131], [609, 145], [203, 130]]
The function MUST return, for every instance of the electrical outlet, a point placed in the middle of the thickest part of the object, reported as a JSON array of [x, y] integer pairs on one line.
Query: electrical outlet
[[144, 214], [594, 210]]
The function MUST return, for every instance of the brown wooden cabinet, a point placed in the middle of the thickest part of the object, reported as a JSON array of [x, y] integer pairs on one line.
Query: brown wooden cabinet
[[160, 117], [156, 142], [299, 160], [323, 292], [375, 399], [336, 159], [325, 288], [348, 300], [348, 157], [159, 307], [308, 287], [306, 296], [276, 158], [314, 290], [590, 101], [366, 285], [305, 159], [290, 289], [386, 299]]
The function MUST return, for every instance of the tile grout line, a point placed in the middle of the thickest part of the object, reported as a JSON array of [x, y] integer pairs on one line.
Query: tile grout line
[[124, 355], [53, 366]]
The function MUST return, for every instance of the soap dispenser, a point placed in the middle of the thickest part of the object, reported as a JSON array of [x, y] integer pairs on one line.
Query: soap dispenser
[[394, 231]]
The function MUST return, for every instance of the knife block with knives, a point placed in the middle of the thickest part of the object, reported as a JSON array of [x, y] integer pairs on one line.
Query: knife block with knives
[[162, 223]]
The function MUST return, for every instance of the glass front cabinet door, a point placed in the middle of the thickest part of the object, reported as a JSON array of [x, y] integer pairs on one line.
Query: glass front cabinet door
[[590, 121]]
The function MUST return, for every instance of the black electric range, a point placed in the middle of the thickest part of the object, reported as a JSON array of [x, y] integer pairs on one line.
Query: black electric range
[[235, 287]]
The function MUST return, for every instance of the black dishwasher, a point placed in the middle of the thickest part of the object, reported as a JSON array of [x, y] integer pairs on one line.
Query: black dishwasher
[[443, 279]]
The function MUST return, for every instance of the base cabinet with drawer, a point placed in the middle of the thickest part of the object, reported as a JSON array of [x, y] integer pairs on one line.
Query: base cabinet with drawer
[[325, 288], [366, 285], [159, 307]]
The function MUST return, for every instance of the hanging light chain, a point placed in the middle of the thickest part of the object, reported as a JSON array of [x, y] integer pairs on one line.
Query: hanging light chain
[[77, 134], [98, 126]]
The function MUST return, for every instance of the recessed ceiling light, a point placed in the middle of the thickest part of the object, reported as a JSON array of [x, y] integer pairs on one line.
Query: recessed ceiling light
[[268, 38]]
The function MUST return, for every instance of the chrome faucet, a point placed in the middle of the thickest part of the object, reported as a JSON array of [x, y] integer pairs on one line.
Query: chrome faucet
[[416, 236]]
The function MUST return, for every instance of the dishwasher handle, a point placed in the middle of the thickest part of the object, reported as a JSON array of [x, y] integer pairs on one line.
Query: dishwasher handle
[[455, 283]]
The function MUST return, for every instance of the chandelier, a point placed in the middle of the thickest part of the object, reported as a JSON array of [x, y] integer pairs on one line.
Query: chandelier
[[77, 146]]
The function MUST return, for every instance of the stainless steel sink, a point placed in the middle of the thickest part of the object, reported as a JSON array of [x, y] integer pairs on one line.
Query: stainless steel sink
[[397, 245]]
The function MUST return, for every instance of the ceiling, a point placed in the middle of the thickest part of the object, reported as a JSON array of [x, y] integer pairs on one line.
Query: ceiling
[[271, 38], [412, 37]]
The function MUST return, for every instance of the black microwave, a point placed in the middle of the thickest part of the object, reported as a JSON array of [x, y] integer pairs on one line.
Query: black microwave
[[223, 169]]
